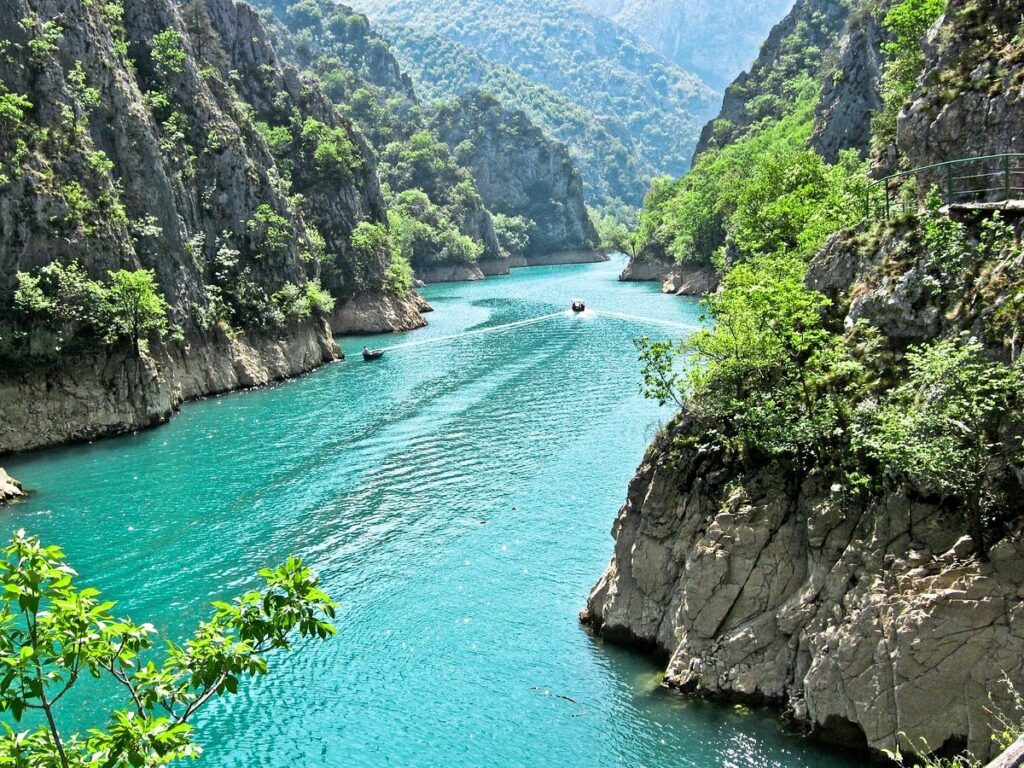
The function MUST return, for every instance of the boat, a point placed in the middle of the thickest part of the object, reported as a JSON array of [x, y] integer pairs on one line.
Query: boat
[[372, 354], [579, 305]]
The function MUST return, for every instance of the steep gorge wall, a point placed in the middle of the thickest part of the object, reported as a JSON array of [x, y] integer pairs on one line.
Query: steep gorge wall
[[520, 172], [870, 618], [161, 166]]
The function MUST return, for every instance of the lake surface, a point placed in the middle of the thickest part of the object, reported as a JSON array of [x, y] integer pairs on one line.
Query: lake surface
[[456, 498]]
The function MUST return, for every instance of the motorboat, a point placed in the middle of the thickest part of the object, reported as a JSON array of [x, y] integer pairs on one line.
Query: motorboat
[[579, 305], [372, 354]]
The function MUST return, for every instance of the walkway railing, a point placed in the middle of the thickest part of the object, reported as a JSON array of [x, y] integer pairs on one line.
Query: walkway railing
[[990, 179]]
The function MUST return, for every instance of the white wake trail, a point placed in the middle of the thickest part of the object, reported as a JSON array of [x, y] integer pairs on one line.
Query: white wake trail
[[648, 320], [480, 332]]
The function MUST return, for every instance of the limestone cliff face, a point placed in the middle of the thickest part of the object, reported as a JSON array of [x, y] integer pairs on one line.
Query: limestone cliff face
[[977, 108], [864, 621], [519, 172], [164, 165], [10, 489], [868, 616], [851, 92]]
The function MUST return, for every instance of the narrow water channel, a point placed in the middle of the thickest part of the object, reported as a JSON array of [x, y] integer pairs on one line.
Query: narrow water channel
[[456, 498]]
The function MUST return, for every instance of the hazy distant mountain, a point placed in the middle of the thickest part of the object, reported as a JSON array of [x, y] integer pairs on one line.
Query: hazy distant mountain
[[715, 39], [594, 63]]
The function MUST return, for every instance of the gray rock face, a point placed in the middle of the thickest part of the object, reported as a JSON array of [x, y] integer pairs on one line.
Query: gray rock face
[[105, 394], [842, 117], [162, 167], [691, 279], [866, 623], [978, 110], [519, 172], [10, 489]]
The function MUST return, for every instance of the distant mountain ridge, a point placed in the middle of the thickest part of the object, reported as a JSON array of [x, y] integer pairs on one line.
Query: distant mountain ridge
[[714, 40], [597, 65]]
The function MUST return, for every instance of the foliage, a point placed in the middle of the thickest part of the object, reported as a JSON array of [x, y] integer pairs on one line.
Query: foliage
[[768, 375], [137, 308], [299, 302], [335, 157], [168, 53], [513, 234], [425, 235], [766, 191], [944, 426], [614, 234], [53, 635], [906, 21], [372, 243], [62, 306]]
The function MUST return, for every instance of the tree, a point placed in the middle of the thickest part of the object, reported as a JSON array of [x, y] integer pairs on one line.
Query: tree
[[944, 427], [768, 375], [53, 634], [138, 309]]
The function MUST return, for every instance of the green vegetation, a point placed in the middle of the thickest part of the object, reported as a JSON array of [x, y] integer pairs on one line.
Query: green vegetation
[[436, 214], [60, 308], [778, 378], [424, 234], [137, 309], [168, 53], [765, 193], [372, 243], [616, 78], [906, 22], [945, 426], [769, 377], [600, 145], [54, 635]]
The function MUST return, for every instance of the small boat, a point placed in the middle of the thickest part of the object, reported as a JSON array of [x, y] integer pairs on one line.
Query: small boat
[[372, 354], [579, 306]]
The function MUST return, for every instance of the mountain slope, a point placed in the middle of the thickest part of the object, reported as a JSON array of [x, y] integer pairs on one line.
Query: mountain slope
[[436, 212], [594, 63], [602, 147], [161, 164], [714, 40]]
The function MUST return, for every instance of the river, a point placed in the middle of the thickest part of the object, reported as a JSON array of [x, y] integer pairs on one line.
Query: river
[[456, 498]]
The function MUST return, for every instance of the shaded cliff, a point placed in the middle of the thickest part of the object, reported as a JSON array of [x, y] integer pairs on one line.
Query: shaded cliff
[[520, 173], [167, 165]]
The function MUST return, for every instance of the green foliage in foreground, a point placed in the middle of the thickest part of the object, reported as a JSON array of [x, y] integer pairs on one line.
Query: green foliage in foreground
[[766, 192], [53, 635]]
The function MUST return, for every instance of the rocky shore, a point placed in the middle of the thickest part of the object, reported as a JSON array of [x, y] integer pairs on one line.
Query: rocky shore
[[686, 279], [10, 489]]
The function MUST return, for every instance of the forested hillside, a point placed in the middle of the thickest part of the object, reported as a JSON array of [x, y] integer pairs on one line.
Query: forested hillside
[[601, 147], [714, 40], [595, 64], [438, 219]]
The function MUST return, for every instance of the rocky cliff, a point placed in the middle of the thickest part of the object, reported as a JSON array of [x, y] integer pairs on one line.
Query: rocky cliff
[[519, 172], [10, 489], [867, 612], [802, 44], [141, 135]]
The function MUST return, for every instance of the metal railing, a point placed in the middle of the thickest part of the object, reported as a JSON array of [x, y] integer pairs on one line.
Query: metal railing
[[989, 179]]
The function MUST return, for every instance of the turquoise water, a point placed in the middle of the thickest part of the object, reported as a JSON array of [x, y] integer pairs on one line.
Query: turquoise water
[[456, 498]]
